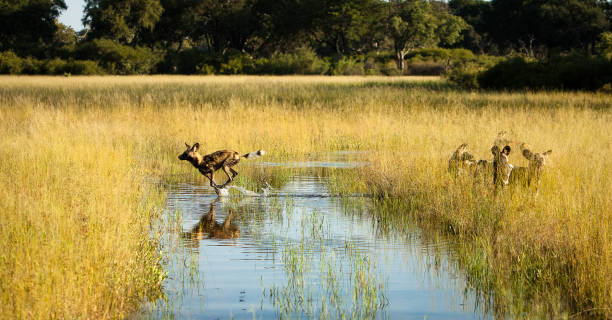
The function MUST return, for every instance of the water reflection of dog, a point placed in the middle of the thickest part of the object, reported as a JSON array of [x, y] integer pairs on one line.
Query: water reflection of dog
[[209, 226]]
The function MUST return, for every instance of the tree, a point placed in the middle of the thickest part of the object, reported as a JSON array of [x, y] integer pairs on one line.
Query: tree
[[120, 20], [418, 24], [175, 25], [213, 24], [27, 27], [604, 46], [349, 26], [289, 24], [64, 41], [477, 14], [569, 24], [537, 25], [227, 24]]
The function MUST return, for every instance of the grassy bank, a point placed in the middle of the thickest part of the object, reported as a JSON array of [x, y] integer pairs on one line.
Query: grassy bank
[[74, 217], [76, 154]]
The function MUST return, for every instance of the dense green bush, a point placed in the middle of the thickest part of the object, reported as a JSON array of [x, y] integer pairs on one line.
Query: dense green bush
[[54, 66], [84, 67], [371, 66], [302, 61], [573, 72], [106, 56], [389, 68], [465, 76], [10, 63], [437, 61], [205, 69], [348, 66], [439, 54], [196, 60], [237, 63], [81, 67], [116, 58], [465, 73], [427, 68], [190, 61]]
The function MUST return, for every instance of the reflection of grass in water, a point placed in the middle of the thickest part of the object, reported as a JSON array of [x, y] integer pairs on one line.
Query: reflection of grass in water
[[322, 281], [496, 292], [324, 292], [181, 262], [347, 285]]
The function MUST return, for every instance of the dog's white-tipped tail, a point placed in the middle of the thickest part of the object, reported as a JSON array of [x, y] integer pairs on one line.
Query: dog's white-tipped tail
[[254, 154]]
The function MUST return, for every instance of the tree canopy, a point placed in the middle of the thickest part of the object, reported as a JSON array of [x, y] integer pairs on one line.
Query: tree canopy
[[28, 26], [536, 26], [121, 20], [212, 32]]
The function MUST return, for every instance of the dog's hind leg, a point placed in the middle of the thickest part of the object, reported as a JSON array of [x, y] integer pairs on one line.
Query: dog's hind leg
[[230, 177]]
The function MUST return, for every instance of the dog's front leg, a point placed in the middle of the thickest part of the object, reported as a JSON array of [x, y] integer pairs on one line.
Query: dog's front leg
[[210, 176]]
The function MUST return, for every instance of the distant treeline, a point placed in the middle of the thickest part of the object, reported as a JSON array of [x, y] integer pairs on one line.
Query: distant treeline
[[461, 37]]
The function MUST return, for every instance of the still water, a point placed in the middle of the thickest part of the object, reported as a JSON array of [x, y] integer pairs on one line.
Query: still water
[[299, 252]]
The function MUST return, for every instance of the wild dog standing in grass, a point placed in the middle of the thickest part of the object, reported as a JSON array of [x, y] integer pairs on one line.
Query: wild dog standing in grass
[[208, 164], [529, 175], [501, 166], [461, 161], [482, 170]]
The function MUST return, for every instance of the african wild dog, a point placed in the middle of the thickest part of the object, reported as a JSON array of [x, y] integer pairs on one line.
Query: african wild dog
[[482, 170], [501, 165], [530, 174], [208, 164], [461, 160]]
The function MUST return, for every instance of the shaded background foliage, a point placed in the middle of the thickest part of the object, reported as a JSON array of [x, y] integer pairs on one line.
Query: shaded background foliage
[[307, 36], [28, 27]]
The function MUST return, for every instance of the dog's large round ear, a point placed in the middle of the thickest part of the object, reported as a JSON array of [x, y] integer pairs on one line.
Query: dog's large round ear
[[188, 146], [195, 146], [527, 154]]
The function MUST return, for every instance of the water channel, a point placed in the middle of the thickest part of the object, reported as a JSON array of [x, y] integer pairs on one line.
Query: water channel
[[298, 251]]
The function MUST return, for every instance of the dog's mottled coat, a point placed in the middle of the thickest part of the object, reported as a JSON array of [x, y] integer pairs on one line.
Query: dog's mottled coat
[[530, 174]]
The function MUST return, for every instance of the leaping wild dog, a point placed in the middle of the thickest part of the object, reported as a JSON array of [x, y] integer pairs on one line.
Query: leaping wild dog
[[208, 164]]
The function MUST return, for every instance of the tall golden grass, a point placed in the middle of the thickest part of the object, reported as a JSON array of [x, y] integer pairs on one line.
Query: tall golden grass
[[76, 152], [73, 217]]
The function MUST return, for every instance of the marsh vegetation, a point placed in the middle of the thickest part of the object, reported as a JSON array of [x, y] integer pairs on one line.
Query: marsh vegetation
[[84, 162]]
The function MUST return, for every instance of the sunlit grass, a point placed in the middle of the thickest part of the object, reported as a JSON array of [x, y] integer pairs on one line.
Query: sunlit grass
[[75, 155], [74, 218]]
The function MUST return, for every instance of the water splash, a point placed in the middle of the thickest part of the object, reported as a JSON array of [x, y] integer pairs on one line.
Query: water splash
[[224, 192]]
